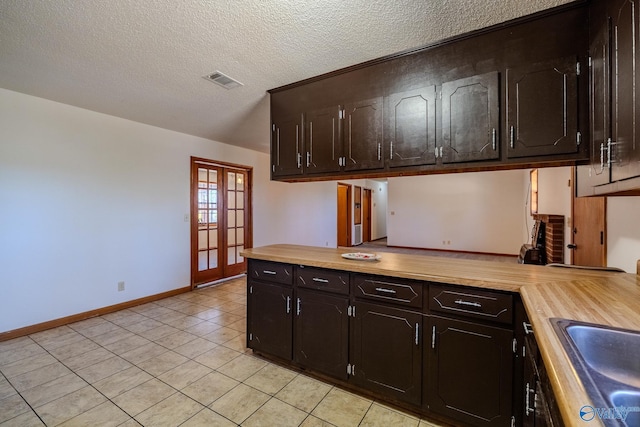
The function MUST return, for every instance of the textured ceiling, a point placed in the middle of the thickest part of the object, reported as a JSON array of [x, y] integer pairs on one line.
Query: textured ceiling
[[143, 59]]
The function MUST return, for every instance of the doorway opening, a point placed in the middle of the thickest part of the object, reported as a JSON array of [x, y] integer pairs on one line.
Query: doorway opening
[[220, 219], [344, 215]]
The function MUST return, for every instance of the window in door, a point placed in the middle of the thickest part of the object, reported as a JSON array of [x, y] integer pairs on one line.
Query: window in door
[[221, 219]]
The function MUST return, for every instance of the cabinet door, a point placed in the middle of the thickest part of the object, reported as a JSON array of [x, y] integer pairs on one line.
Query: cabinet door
[[269, 319], [470, 119], [625, 125], [363, 135], [470, 372], [323, 140], [286, 145], [322, 332], [597, 172], [386, 351], [542, 108], [412, 127]]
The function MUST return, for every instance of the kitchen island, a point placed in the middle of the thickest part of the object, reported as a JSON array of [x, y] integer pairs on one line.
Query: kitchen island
[[592, 296]]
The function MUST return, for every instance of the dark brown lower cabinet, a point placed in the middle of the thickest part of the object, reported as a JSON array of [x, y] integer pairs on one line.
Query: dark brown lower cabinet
[[269, 318], [322, 332], [470, 372], [386, 351]]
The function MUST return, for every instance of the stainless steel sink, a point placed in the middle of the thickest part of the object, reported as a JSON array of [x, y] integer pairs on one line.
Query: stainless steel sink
[[607, 360]]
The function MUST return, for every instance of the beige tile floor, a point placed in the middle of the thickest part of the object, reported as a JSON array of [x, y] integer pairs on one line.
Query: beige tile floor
[[180, 361]]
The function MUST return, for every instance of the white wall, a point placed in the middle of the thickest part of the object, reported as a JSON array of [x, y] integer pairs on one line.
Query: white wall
[[379, 196], [87, 200], [477, 212], [623, 232]]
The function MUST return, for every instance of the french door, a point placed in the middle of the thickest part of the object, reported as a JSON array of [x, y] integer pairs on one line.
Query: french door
[[220, 219]]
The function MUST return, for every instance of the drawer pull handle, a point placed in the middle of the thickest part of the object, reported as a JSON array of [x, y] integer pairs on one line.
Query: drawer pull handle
[[386, 291], [288, 304], [269, 272], [528, 329], [417, 332], [317, 279], [470, 303]]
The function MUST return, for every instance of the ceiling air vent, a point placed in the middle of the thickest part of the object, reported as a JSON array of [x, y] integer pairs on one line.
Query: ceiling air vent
[[222, 80]]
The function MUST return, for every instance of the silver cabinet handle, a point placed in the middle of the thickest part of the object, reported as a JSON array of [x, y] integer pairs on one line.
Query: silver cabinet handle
[[288, 305], [512, 136], [269, 272], [470, 303], [433, 337], [391, 151], [298, 155], [610, 158], [528, 407], [493, 139], [317, 279], [298, 307], [417, 333], [379, 151], [308, 159], [386, 291]]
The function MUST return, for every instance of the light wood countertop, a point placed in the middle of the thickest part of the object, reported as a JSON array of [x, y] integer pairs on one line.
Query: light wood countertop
[[591, 296]]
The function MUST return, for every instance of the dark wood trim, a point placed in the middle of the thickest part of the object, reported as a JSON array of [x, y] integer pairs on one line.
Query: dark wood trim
[[432, 170], [39, 327], [443, 42], [222, 164]]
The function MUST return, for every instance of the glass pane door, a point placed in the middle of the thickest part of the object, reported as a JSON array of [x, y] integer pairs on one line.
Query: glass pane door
[[208, 238], [220, 226], [235, 215]]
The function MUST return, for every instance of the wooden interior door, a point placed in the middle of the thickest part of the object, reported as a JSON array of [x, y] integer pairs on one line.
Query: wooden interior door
[[589, 231], [221, 220], [344, 215], [366, 215]]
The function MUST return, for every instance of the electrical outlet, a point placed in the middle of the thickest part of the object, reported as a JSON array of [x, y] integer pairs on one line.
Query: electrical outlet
[[120, 286]]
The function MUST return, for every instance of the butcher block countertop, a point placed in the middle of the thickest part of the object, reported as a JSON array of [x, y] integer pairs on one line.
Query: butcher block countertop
[[590, 296]]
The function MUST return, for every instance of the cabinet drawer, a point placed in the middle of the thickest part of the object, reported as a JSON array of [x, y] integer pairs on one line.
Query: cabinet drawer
[[271, 271], [388, 290], [471, 303], [322, 279]]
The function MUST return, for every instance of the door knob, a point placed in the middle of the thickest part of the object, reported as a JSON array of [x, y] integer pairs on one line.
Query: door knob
[[572, 246]]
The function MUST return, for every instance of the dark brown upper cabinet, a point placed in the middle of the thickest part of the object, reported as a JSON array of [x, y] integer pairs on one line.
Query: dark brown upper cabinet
[[471, 119], [286, 145], [411, 132], [542, 108], [489, 84], [363, 134], [598, 172], [624, 149], [323, 140], [613, 107]]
